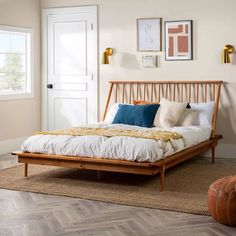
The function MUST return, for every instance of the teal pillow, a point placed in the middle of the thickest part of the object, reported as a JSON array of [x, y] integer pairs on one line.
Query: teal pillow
[[139, 115]]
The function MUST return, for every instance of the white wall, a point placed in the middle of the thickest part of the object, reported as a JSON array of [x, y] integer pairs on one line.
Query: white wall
[[213, 27], [18, 118]]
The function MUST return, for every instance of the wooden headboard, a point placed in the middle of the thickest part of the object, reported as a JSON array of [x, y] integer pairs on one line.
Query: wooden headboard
[[153, 91]]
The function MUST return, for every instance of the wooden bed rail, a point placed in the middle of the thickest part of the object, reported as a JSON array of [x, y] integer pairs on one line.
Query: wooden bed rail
[[153, 91]]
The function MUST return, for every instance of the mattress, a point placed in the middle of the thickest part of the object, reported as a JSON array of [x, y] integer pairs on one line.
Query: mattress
[[118, 147]]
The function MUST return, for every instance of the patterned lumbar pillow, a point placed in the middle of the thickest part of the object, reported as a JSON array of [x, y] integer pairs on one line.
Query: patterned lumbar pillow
[[169, 113]]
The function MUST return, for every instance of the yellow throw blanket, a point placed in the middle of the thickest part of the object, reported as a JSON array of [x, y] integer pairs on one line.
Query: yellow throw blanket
[[111, 132]]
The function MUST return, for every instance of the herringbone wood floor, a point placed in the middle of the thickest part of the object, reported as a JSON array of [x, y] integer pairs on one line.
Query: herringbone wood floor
[[23, 213]]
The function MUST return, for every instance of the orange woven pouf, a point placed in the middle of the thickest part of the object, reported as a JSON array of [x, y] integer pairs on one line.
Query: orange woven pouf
[[222, 200]]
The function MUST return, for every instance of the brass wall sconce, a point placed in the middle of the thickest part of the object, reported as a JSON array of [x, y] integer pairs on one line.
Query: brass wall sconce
[[105, 55], [228, 49]]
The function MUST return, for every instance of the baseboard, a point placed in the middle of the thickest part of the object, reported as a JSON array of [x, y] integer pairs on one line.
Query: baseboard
[[11, 145], [224, 151]]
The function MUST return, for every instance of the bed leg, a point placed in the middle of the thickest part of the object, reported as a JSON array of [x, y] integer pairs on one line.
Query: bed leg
[[98, 175], [26, 170], [162, 177], [213, 147]]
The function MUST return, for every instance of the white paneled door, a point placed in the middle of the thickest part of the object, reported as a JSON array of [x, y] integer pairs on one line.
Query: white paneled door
[[70, 67]]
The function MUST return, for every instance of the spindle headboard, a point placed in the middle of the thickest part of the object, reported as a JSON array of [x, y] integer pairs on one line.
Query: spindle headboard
[[153, 91]]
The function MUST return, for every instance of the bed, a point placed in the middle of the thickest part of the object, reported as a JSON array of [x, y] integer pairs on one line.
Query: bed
[[137, 158]]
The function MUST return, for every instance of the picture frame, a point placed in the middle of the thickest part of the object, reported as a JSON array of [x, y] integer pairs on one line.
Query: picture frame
[[149, 34], [179, 40], [149, 61]]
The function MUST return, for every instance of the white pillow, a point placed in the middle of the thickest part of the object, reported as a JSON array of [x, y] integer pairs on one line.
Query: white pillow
[[188, 118], [169, 113], [205, 112], [112, 112]]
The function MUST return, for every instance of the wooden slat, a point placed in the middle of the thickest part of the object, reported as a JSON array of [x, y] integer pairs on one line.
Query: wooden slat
[[190, 93], [144, 91], [182, 93], [130, 93], [197, 93], [116, 93], [123, 93], [174, 92], [152, 92], [166, 91], [213, 92], [137, 91], [205, 96], [108, 101]]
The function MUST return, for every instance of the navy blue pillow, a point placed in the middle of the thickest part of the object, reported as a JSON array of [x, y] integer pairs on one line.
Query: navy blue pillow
[[139, 115]]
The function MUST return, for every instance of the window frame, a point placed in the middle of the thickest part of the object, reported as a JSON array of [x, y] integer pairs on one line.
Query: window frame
[[30, 68]]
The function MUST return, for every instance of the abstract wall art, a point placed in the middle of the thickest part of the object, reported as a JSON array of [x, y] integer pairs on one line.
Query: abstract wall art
[[178, 40], [149, 34]]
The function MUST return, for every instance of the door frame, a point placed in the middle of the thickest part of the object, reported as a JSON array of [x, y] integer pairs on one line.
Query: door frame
[[63, 10]]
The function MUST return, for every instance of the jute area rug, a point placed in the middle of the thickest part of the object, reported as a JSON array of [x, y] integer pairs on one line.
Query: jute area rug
[[186, 185]]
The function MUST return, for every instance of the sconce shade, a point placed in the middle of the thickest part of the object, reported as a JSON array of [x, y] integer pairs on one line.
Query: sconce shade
[[105, 58], [225, 56], [228, 49]]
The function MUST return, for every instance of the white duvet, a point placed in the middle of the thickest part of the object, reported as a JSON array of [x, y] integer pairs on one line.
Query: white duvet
[[120, 148]]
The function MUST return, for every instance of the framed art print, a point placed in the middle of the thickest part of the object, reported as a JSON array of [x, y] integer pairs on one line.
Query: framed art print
[[178, 40], [149, 34], [149, 61]]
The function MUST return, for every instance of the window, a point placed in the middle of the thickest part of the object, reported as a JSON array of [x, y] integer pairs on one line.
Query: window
[[15, 62]]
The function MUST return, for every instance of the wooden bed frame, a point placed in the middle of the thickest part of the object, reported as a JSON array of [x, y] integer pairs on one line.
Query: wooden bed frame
[[126, 92]]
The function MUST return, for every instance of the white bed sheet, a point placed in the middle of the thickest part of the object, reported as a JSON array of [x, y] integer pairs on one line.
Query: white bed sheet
[[119, 148]]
